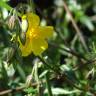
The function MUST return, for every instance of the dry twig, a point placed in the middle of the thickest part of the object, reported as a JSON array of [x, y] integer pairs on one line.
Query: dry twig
[[75, 26]]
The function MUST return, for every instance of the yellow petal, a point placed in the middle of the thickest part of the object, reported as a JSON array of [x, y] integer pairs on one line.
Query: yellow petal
[[27, 48], [46, 31], [39, 45], [33, 20]]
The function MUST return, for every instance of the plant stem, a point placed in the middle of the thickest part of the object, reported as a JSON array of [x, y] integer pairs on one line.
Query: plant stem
[[47, 76], [48, 85], [32, 5]]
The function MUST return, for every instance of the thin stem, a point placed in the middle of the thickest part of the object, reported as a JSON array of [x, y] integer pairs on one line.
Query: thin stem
[[48, 85], [47, 65], [69, 50], [32, 5], [84, 65], [29, 79], [5, 92]]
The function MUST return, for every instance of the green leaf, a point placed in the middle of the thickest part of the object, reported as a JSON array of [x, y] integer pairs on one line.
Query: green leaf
[[43, 73], [61, 91], [5, 5], [88, 23], [30, 90]]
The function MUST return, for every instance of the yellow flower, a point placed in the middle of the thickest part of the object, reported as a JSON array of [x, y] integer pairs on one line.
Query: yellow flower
[[35, 36]]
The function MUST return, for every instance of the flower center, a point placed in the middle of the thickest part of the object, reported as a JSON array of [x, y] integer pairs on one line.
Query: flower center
[[33, 33]]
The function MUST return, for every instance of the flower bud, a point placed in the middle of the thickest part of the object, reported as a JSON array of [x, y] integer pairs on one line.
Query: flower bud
[[11, 22]]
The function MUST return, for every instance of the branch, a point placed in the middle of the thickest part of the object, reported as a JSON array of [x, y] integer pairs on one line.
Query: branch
[[69, 50], [84, 65], [76, 27], [16, 89], [66, 78]]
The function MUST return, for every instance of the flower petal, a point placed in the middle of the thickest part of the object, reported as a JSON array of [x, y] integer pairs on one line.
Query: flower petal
[[39, 45], [46, 31], [27, 48], [33, 20]]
